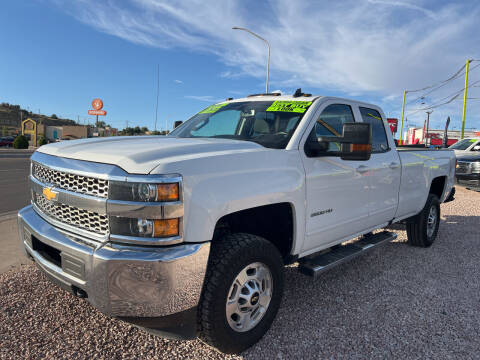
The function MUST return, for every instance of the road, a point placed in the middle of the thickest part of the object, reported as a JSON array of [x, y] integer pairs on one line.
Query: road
[[14, 188], [14, 194]]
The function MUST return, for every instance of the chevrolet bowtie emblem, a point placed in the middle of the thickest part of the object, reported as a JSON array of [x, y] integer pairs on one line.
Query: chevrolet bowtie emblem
[[49, 193]]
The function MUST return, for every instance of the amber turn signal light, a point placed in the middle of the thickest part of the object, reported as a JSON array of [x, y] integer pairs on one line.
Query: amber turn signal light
[[166, 227], [360, 147], [168, 192]]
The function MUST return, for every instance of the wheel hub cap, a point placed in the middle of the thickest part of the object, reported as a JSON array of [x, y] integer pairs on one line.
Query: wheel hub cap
[[432, 221], [249, 297]]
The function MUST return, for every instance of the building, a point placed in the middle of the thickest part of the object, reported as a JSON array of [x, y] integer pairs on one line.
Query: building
[[34, 131], [67, 132], [417, 135]]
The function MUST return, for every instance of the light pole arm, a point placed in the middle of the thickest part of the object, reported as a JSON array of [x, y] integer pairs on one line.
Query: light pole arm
[[268, 47]]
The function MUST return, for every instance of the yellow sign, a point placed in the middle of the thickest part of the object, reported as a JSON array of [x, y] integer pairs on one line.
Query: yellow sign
[[212, 109], [49, 193], [290, 106], [29, 127]]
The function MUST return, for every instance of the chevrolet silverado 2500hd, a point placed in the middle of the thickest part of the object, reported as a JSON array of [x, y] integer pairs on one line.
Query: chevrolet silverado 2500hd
[[187, 234]]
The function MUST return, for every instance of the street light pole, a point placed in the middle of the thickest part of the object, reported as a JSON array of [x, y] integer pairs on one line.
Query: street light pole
[[465, 98], [428, 124], [403, 113], [268, 47]]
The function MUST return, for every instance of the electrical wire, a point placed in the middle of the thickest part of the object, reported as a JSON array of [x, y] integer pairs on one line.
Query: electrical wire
[[453, 96], [440, 85], [450, 97]]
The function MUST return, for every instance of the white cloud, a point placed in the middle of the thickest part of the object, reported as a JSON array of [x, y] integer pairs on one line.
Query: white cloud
[[206, 98], [178, 81], [368, 47], [404, 4]]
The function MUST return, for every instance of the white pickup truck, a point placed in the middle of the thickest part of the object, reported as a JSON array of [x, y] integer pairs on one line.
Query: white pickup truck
[[187, 235]]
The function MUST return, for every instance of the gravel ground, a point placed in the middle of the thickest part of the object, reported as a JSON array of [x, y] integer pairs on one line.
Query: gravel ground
[[395, 302]]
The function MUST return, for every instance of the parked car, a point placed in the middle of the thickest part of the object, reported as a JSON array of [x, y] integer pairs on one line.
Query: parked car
[[188, 234], [466, 146], [6, 141], [468, 171]]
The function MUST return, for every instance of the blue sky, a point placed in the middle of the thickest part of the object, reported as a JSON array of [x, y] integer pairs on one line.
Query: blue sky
[[58, 55]]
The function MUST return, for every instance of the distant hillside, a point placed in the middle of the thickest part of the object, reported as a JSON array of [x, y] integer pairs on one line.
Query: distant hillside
[[12, 115]]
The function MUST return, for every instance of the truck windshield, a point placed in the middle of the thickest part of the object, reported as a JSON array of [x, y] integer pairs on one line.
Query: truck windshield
[[268, 123], [463, 144]]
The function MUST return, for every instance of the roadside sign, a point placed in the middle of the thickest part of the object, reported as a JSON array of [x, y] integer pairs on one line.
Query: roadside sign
[[393, 125], [97, 104], [97, 112]]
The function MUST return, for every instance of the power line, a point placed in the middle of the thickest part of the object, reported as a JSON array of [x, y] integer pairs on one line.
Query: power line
[[460, 90], [442, 84], [439, 83], [453, 97]]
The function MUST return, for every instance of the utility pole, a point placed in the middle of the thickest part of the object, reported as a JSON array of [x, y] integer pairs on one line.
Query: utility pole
[[428, 124], [403, 112], [158, 90], [465, 98]]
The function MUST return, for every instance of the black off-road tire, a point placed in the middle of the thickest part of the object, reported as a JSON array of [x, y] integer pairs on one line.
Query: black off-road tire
[[417, 226], [229, 255]]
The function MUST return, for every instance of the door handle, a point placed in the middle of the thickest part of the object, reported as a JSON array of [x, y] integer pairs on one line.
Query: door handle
[[362, 169], [394, 165]]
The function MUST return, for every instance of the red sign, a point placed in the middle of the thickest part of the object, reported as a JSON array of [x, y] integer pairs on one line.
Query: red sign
[[97, 104], [97, 112], [393, 125]]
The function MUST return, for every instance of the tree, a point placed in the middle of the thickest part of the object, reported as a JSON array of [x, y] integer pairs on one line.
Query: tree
[[42, 141], [20, 142], [4, 130], [54, 116], [144, 129]]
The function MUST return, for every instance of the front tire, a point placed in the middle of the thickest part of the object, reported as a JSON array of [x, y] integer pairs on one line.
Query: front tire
[[242, 292], [422, 229]]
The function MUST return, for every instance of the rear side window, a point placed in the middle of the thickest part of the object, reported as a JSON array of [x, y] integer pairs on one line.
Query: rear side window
[[379, 137]]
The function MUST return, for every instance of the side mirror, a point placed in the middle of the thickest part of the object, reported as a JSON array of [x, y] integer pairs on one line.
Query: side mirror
[[177, 124], [355, 143], [476, 148]]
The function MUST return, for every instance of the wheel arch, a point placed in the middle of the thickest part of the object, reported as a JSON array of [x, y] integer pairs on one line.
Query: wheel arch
[[437, 187], [274, 222]]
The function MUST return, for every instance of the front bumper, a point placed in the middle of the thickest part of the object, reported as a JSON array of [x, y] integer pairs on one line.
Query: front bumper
[[469, 180], [130, 283]]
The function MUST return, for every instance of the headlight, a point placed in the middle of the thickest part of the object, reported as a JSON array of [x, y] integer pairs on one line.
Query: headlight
[[476, 167], [158, 228], [130, 191]]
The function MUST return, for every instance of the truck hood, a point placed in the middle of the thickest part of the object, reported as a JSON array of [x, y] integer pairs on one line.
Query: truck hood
[[141, 154]]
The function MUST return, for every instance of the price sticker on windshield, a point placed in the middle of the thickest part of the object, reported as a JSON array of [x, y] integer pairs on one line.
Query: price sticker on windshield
[[290, 106], [212, 108]]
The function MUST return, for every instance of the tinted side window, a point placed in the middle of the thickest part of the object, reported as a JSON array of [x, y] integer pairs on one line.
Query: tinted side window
[[330, 123], [379, 137]]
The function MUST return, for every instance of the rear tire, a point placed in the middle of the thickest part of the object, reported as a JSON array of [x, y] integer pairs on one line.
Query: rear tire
[[242, 292], [422, 228]]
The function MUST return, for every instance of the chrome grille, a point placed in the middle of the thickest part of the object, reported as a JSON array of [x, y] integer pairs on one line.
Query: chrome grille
[[77, 183], [84, 219], [463, 168]]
